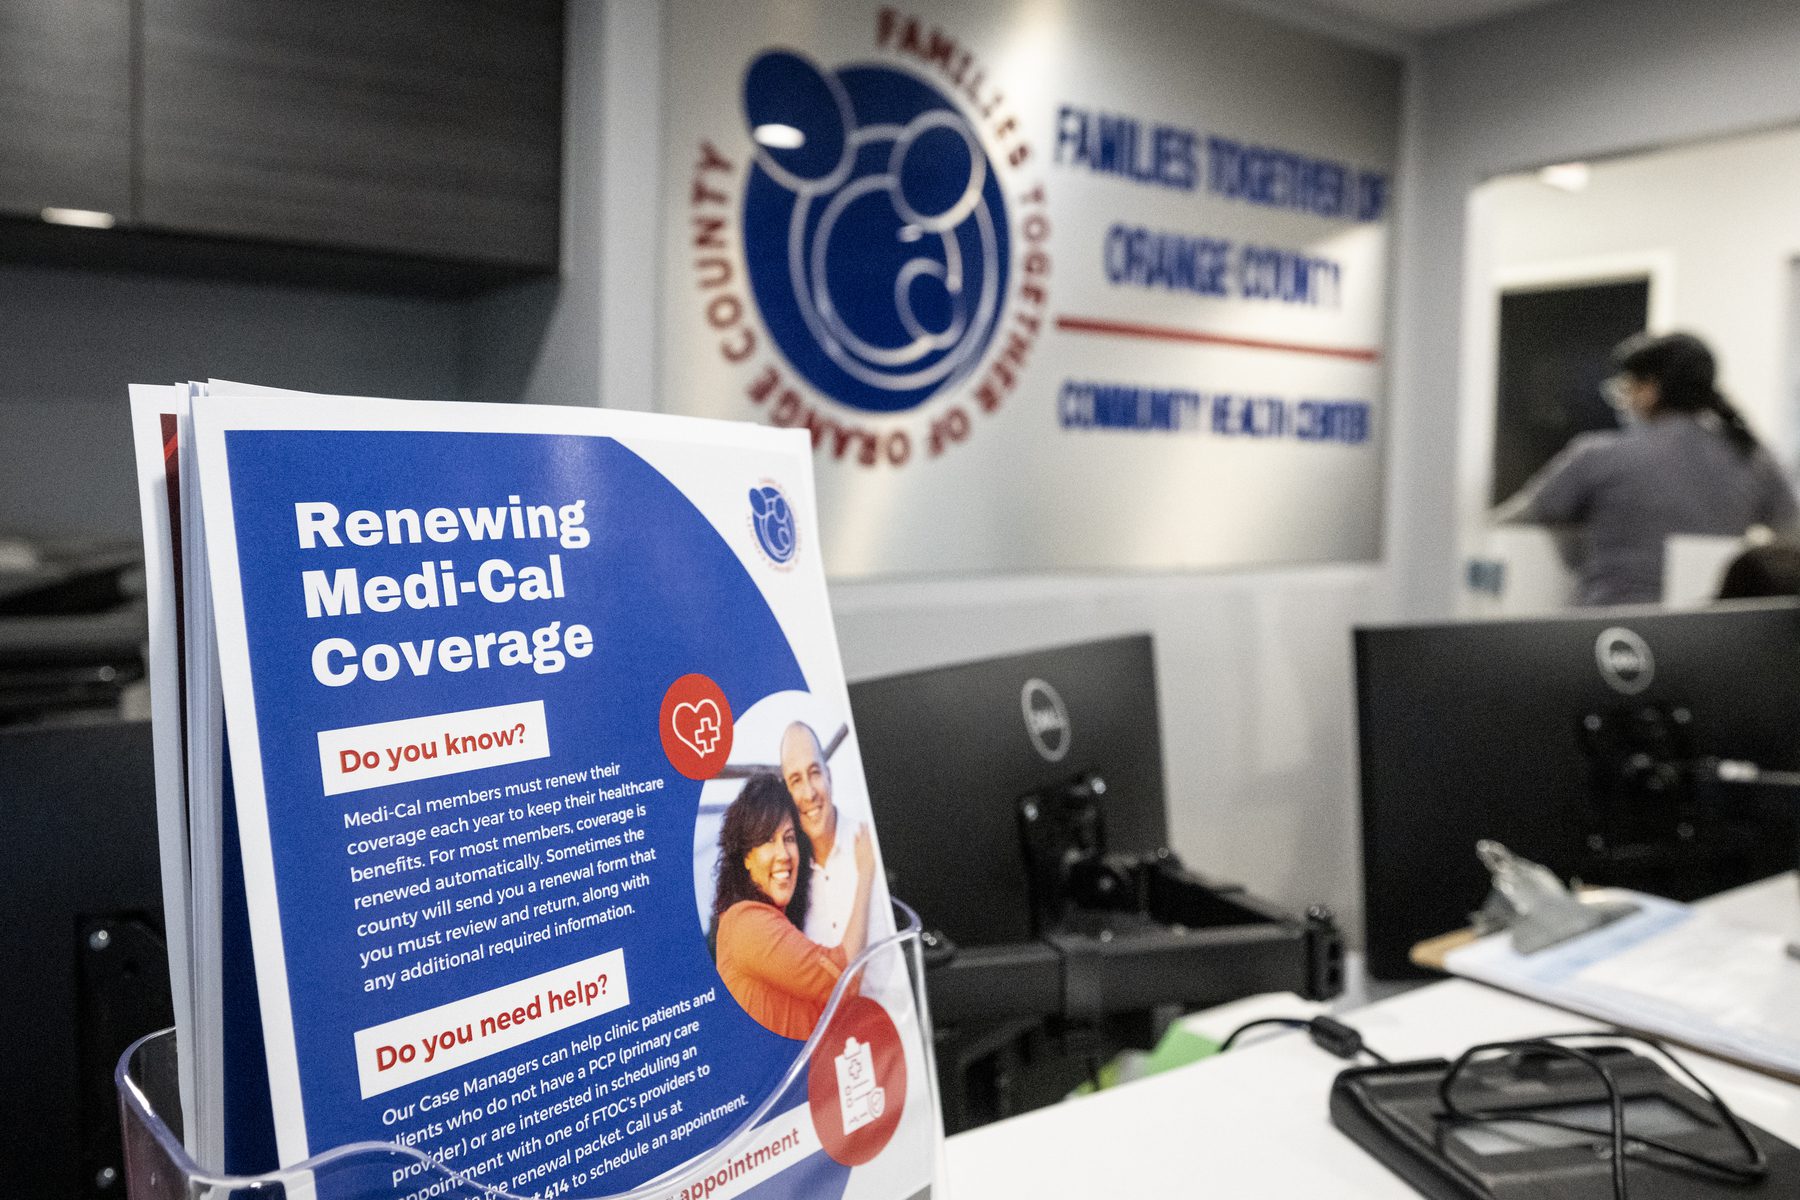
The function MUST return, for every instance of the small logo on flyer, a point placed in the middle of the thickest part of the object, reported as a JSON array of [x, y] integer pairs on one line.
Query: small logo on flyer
[[856, 1082], [696, 727], [777, 534]]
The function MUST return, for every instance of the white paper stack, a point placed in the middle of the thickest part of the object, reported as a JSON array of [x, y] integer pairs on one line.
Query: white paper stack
[[1665, 970], [482, 737]]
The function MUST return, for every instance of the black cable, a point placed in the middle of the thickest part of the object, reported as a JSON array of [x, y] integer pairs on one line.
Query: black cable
[[1286, 1022], [1341, 1040], [1614, 1102], [1332, 1036], [1755, 1167], [1758, 1165]]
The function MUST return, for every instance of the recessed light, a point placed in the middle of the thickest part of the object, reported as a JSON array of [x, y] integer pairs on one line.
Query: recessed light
[[1569, 177], [779, 137], [87, 218]]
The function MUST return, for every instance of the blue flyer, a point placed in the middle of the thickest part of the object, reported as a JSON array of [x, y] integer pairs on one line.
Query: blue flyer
[[555, 840]]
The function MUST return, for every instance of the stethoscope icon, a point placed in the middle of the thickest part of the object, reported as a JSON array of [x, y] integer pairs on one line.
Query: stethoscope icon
[[927, 191]]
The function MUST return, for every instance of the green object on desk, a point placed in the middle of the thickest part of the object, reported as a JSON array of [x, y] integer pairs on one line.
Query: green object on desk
[[1178, 1048]]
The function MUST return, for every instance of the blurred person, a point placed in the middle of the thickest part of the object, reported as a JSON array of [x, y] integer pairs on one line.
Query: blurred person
[[1684, 462]]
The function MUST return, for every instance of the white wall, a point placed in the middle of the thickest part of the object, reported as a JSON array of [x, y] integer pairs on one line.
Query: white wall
[[1254, 668], [1576, 80], [1253, 676]]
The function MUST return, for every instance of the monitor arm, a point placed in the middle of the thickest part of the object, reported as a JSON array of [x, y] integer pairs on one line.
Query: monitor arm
[[1656, 805], [1117, 932], [1729, 770]]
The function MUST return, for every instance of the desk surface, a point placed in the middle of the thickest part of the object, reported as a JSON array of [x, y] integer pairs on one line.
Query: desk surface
[[1253, 1123]]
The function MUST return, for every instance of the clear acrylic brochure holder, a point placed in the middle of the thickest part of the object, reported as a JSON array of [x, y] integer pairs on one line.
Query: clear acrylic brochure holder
[[158, 1167]]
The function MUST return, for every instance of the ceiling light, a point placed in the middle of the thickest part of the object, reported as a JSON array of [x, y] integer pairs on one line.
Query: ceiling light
[[1569, 177], [87, 218], [779, 137]]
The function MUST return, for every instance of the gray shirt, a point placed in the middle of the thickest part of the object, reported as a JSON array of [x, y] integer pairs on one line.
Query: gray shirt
[[1629, 490]]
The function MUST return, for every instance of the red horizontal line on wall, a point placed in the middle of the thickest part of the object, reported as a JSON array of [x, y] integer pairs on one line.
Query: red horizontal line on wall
[[1166, 333]]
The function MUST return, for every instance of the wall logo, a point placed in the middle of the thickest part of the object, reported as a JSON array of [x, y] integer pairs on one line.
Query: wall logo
[[875, 233], [1046, 720], [1625, 660], [889, 277], [773, 520]]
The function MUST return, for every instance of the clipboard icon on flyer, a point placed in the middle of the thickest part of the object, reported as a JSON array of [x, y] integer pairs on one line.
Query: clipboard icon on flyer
[[860, 1100]]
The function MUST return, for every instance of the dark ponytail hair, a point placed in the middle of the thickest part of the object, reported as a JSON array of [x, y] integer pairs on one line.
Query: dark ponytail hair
[[1771, 570], [1683, 370], [751, 820]]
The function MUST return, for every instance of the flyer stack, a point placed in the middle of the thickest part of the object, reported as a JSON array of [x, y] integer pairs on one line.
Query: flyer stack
[[511, 809]]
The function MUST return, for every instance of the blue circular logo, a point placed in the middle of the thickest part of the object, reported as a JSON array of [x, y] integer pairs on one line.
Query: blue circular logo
[[874, 230], [773, 521]]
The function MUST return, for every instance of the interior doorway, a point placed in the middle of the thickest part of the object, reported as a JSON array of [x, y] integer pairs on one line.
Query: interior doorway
[[1553, 354]]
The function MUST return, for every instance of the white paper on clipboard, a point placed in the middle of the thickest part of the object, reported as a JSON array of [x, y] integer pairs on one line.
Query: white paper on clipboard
[[1666, 970]]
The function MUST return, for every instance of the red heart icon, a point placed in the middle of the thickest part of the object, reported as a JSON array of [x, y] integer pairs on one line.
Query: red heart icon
[[696, 726]]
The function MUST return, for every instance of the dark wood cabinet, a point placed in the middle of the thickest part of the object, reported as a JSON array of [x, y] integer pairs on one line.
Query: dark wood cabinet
[[427, 127], [369, 142], [65, 105]]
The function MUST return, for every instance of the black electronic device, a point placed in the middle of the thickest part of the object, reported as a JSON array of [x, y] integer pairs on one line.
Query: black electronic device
[[1022, 814], [1539, 1120], [86, 968], [1590, 743], [72, 632], [951, 752]]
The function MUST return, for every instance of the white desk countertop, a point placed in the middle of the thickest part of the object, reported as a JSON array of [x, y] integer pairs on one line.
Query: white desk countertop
[[1254, 1123]]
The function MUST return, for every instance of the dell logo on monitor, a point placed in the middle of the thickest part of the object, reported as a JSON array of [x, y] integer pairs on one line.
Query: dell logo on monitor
[[1625, 660], [1046, 720]]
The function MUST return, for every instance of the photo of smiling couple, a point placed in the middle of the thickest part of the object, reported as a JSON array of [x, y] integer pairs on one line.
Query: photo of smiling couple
[[793, 889]]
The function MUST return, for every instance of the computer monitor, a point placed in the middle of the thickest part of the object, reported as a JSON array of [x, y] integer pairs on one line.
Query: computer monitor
[[1022, 814], [1584, 742], [950, 752], [86, 966]]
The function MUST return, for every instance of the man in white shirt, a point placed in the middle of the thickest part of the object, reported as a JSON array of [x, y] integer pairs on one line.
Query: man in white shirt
[[808, 779]]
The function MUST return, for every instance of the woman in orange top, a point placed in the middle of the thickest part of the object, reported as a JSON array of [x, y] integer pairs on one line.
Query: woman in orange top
[[777, 974]]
